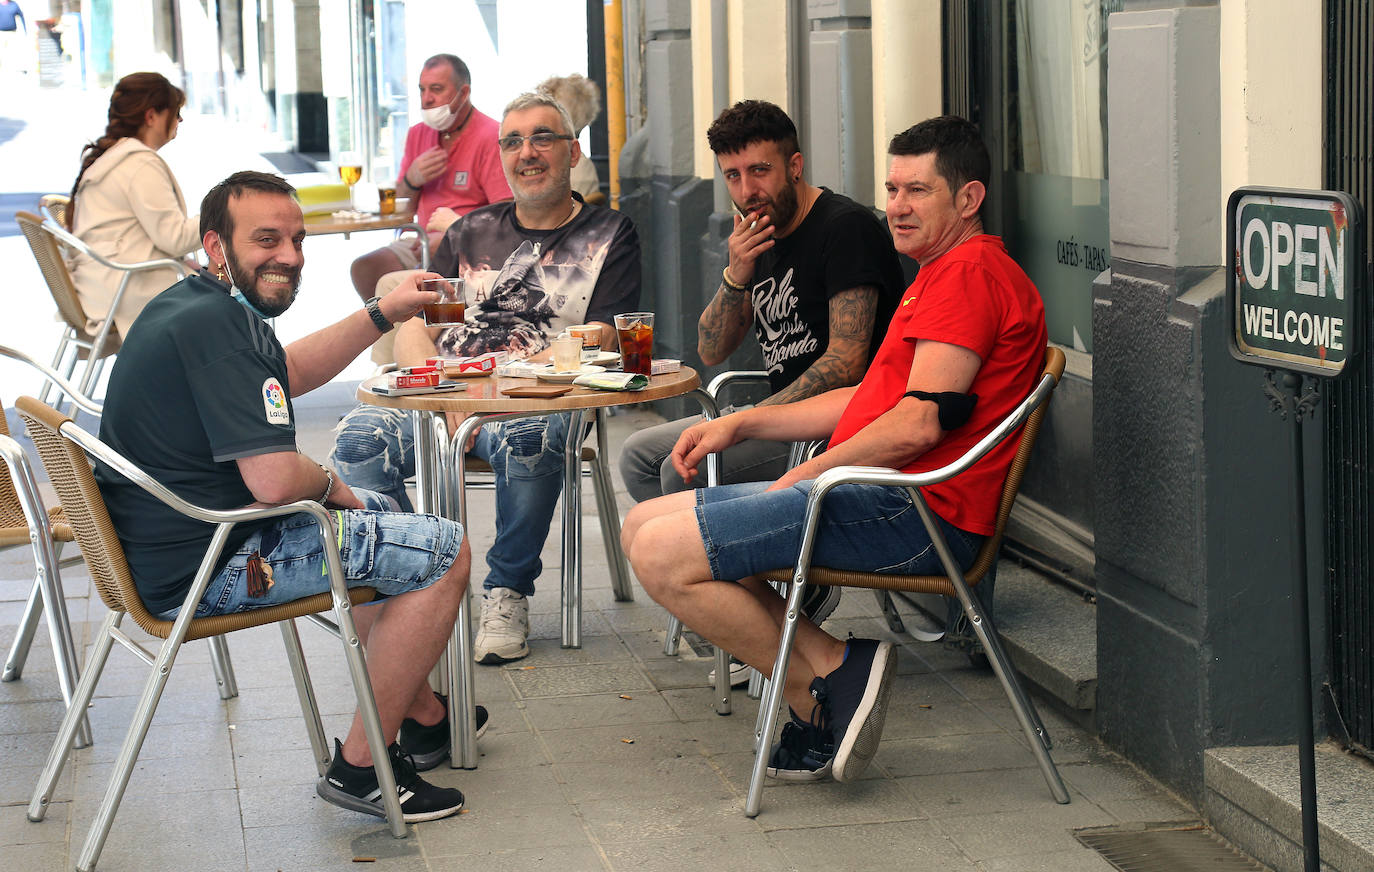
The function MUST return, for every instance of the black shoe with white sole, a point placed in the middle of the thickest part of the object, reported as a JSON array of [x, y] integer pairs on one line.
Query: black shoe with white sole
[[856, 696], [429, 746], [355, 787], [804, 752]]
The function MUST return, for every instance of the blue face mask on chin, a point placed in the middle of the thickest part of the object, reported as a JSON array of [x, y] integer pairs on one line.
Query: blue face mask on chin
[[238, 295]]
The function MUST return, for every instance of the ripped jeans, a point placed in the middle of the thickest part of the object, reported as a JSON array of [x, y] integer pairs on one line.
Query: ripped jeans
[[374, 448]]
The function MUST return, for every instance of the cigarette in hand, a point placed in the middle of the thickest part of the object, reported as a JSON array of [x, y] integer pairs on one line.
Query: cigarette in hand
[[743, 216]]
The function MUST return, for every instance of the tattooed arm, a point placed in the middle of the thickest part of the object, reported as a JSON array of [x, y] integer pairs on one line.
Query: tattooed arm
[[846, 357], [724, 324]]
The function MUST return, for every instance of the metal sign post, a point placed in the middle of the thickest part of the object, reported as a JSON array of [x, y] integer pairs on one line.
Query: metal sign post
[[1291, 291]]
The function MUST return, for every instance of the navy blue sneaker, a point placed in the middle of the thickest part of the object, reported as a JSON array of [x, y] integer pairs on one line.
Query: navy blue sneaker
[[856, 697], [804, 752]]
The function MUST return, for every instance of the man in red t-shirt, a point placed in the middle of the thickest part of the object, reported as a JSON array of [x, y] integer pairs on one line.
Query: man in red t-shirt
[[972, 324], [451, 165]]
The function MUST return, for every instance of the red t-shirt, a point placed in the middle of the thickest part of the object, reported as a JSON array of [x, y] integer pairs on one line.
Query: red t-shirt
[[976, 297], [473, 176]]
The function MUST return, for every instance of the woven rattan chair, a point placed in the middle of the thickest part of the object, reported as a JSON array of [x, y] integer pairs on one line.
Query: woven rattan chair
[[63, 448], [24, 521], [954, 583], [55, 206], [52, 245]]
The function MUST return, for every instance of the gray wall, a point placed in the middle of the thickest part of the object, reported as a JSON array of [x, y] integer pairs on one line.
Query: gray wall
[[1191, 470]]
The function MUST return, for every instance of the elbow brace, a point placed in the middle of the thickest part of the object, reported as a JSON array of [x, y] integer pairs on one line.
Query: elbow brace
[[954, 408]]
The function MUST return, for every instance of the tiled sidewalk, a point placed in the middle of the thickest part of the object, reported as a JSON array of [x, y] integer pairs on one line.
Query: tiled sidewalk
[[607, 757]]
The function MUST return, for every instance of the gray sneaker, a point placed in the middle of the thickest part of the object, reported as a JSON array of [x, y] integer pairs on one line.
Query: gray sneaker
[[504, 627]]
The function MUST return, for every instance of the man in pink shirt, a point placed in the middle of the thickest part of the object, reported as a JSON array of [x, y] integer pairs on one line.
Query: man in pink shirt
[[451, 166]]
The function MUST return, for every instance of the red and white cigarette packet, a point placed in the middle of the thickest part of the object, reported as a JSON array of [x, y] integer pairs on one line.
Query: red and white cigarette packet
[[415, 379], [482, 363]]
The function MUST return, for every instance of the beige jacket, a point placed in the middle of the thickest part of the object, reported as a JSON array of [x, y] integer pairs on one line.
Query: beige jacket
[[129, 209]]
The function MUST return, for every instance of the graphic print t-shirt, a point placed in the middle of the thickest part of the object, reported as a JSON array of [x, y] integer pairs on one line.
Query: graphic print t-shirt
[[838, 246], [523, 287]]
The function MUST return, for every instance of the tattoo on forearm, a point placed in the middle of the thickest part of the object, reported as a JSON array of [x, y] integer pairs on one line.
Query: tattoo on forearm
[[724, 322], [843, 363]]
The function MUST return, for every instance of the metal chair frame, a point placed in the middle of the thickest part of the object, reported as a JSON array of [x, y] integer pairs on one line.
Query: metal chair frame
[[49, 241], [955, 581], [65, 450], [47, 532]]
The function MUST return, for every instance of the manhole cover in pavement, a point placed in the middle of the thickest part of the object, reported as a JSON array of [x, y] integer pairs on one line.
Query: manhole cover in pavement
[[1171, 847]]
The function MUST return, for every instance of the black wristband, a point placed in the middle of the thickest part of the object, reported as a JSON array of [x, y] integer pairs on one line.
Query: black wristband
[[954, 408], [374, 311]]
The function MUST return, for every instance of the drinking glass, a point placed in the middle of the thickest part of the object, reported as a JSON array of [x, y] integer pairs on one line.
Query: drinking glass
[[450, 308], [635, 330], [350, 170], [567, 353]]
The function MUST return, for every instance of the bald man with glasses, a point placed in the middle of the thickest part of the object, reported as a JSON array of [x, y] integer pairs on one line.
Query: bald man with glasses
[[532, 267]]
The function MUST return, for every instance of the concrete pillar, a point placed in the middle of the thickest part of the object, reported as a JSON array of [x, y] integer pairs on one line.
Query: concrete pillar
[[907, 74], [839, 144], [1193, 511]]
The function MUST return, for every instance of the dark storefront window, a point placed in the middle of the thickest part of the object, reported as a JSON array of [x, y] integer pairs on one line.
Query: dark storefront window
[[1054, 153]]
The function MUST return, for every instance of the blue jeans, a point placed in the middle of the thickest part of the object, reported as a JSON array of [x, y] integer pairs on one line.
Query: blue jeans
[[374, 448], [863, 528], [393, 552]]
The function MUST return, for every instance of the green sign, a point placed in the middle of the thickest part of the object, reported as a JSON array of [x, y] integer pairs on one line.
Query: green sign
[[1294, 279]]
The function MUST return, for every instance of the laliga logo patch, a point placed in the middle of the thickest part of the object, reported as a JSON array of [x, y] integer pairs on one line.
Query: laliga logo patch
[[274, 402]]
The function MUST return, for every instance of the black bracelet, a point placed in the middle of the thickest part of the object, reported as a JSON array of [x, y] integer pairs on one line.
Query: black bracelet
[[374, 311]]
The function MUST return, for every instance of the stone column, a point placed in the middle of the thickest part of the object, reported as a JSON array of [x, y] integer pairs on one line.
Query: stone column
[[1194, 505]]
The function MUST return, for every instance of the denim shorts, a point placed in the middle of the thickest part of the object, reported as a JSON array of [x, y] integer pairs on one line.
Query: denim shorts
[[864, 528], [394, 552]]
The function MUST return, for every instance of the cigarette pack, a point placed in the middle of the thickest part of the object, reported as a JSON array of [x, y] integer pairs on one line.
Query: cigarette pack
[[663, 365], [412, 379], [481, 364]]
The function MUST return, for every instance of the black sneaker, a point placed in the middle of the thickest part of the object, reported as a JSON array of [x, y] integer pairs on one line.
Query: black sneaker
[[856, 696], [804, 752], [355, 787], [429, 746], [820, 601]]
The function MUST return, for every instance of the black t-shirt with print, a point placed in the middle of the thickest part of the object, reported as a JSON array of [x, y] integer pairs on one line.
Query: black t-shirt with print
[[838, 246], [523, 287], [199, 382]]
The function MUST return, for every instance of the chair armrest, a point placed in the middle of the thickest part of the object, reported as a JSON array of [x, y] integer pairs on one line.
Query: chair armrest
[[891, 478], [72, 241], [25, 485], [50, 374], [732, 378], [120, 464]]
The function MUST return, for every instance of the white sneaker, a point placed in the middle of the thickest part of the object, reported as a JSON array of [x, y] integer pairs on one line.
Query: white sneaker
[[504, 627], [739, 674]]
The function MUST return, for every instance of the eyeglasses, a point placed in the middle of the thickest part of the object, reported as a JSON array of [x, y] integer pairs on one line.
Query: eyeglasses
[[540, 141]]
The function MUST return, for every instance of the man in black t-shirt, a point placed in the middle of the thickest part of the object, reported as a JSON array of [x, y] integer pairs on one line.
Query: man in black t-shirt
[[532, 267], [813, 272], [200, 399]]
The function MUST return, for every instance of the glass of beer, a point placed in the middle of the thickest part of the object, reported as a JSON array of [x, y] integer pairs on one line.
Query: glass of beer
[[386, 200], [635, 330], [450, 308], [350, 170]]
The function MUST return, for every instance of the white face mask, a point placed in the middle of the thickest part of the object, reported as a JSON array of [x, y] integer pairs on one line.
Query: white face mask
[[438, 117]]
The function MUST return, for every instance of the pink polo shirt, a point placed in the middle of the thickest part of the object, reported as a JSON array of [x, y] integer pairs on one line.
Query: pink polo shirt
[[473, 175]]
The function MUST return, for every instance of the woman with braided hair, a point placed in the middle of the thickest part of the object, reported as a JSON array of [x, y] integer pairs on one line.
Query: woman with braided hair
[[126, 204]]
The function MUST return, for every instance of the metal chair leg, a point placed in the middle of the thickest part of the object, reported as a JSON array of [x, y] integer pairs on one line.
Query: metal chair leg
[[889, 610], [609, 513], [723, 706], [772, 699], [1021, 706], [305, 693], [71, 721], [224, 668], [673, 639], [23, 639]]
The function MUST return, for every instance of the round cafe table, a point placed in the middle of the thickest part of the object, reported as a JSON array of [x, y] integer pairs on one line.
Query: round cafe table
[[440, 478]]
